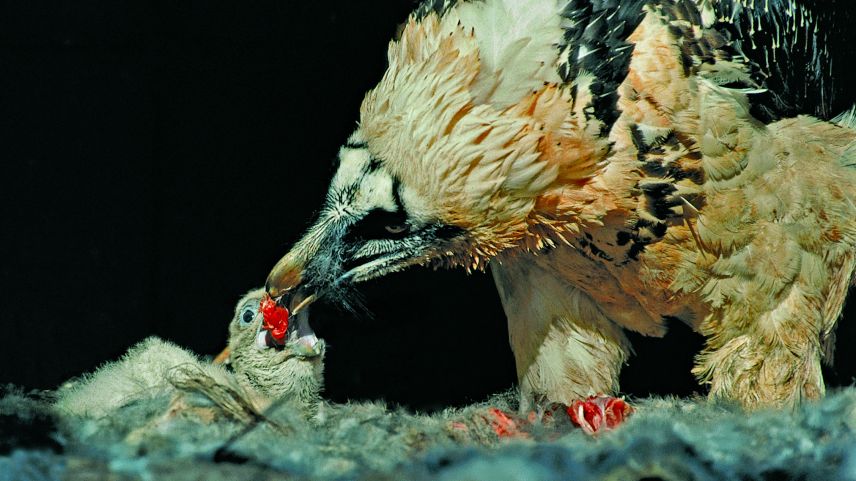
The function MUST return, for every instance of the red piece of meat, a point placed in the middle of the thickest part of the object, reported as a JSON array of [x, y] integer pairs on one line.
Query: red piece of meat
[[275, 318]]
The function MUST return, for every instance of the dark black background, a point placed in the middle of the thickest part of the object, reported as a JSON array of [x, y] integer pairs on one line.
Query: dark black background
[[158, 158]]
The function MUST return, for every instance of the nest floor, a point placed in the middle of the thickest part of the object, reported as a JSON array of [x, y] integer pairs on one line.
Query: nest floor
[[666, 439]]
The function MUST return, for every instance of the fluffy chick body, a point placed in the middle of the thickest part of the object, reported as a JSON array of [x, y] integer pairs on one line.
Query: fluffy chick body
[[155, 368]]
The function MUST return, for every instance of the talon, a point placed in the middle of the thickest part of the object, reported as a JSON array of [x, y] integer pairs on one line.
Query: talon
[[599, 413]]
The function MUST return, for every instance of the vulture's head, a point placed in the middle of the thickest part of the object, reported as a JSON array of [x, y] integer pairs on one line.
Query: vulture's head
[[465, 149]]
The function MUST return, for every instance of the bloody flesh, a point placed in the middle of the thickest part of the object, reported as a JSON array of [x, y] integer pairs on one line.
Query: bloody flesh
[[275, 318]]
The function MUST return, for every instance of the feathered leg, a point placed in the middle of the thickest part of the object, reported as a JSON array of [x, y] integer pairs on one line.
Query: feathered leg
[[773, 359], [762, 372], [564, 347]]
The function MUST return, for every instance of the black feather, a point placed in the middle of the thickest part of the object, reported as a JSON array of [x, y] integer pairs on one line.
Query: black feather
[[440, 7], [787, 47], [601, 27]]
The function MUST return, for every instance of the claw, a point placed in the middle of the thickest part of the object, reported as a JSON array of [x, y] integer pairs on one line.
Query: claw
[[599, 413]]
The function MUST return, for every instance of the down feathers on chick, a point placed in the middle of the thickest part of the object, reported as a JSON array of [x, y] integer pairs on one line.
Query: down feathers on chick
[[271, 373], [141, 372], [615, 164], [153, 368]]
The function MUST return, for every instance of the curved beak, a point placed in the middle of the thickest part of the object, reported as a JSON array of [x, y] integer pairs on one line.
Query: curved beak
[[283, 284], [285, 276], [295, 281]]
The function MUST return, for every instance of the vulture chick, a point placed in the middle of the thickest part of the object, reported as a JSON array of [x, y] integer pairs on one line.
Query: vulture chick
[[614, 164], [268, 371], [259, 375]]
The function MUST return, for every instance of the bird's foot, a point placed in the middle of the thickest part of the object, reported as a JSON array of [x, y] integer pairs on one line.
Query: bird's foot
[[599, 413]]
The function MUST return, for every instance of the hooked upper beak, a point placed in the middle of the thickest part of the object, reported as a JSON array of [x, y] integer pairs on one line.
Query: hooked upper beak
[[285, 276], [287, 282], [283, 284]]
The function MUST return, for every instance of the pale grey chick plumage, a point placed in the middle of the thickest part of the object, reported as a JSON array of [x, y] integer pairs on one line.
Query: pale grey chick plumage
[[155, 367]]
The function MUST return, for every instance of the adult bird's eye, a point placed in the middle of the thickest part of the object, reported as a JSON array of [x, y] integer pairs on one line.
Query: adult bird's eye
[[379, 224], [395, 228], [247, 316]]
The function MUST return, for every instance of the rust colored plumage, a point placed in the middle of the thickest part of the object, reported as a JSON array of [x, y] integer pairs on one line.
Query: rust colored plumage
[[602, 202]]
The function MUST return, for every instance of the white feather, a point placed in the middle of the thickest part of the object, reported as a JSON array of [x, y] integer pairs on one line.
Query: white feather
[[847, 118], [518, 42]]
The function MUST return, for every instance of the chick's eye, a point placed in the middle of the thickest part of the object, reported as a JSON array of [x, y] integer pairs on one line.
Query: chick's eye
[[247, 316], [395, 228]]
